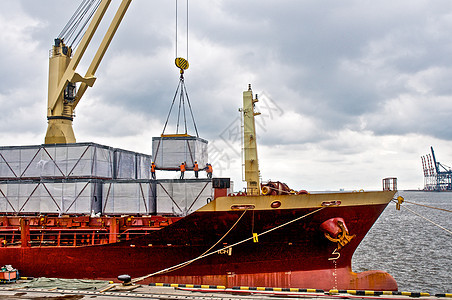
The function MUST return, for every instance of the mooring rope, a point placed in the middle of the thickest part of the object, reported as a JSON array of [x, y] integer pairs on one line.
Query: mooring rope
[[189, 262], [436, 224], [223, 249], [179, 266], [438, 208]]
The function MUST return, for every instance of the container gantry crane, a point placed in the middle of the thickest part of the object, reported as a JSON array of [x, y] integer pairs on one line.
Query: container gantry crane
[[62, 94], [437, 176]]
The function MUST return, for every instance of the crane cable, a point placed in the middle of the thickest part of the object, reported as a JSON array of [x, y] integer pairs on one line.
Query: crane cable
[[79, 36], [183, 94], [181, 90], [177, 28], [69, 26], [71, 33]]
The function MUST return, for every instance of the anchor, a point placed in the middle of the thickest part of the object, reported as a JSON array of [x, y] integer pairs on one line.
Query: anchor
[[336, 231]]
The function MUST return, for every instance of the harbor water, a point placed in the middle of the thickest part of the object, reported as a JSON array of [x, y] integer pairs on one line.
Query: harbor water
[[417, 253]]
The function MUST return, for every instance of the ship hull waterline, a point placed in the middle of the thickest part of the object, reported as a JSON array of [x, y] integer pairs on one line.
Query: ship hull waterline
[[297, 254]]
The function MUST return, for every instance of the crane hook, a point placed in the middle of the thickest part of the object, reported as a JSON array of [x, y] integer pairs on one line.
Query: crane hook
[[182, 64]]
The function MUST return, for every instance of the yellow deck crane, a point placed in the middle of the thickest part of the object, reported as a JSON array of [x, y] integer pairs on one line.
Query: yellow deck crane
[[62, 94]]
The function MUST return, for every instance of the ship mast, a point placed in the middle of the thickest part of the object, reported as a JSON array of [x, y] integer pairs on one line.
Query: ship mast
[[251, 163]]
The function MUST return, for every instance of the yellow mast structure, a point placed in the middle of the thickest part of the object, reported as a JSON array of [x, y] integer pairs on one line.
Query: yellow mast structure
[[251, 163], [62, 98]]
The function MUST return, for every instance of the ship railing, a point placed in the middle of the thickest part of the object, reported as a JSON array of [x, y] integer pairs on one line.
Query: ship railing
[[67, 237], [389, 184]]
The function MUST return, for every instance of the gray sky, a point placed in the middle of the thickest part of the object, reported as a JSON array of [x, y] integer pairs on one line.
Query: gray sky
[[351, 91]]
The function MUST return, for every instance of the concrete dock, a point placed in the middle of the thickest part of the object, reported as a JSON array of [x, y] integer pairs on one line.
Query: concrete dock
[[142, 292], [22, 290]]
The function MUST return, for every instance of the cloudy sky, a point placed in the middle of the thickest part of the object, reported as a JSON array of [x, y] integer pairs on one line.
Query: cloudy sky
[[351, 91]]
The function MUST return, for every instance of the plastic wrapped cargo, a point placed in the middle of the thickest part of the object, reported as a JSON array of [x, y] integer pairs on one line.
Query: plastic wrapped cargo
[[108, 197], [169, 152], [131, 165], [125, 164], [165, 196], [82, 160], [143, 166], [182, 197], [128, 197], [51, 197], [78, 160], [15, 161]]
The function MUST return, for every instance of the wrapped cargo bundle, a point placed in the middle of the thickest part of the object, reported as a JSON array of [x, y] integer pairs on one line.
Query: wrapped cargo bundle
[[131, 165], [60, 197], [182, 197], [128, 197], [170, 151], [79, 160]]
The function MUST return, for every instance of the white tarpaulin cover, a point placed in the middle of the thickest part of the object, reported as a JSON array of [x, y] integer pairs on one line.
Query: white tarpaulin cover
[[128, 198], [110, 197], [182, 197], [27, 197], [170, 152], [80, 160], [86, 178]]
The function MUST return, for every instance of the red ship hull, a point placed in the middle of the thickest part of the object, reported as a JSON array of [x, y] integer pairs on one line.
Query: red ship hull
[[295, 255]]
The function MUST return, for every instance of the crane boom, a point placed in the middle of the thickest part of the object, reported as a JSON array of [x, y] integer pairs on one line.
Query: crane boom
[[434, 160], [103, 47], [62, 75]]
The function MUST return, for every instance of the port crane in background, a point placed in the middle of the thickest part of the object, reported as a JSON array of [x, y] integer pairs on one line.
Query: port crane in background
[[63, 96], [437, 176]]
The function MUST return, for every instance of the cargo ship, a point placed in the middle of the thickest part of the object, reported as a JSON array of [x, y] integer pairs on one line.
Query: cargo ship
[[74, 225], [84, 210]]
